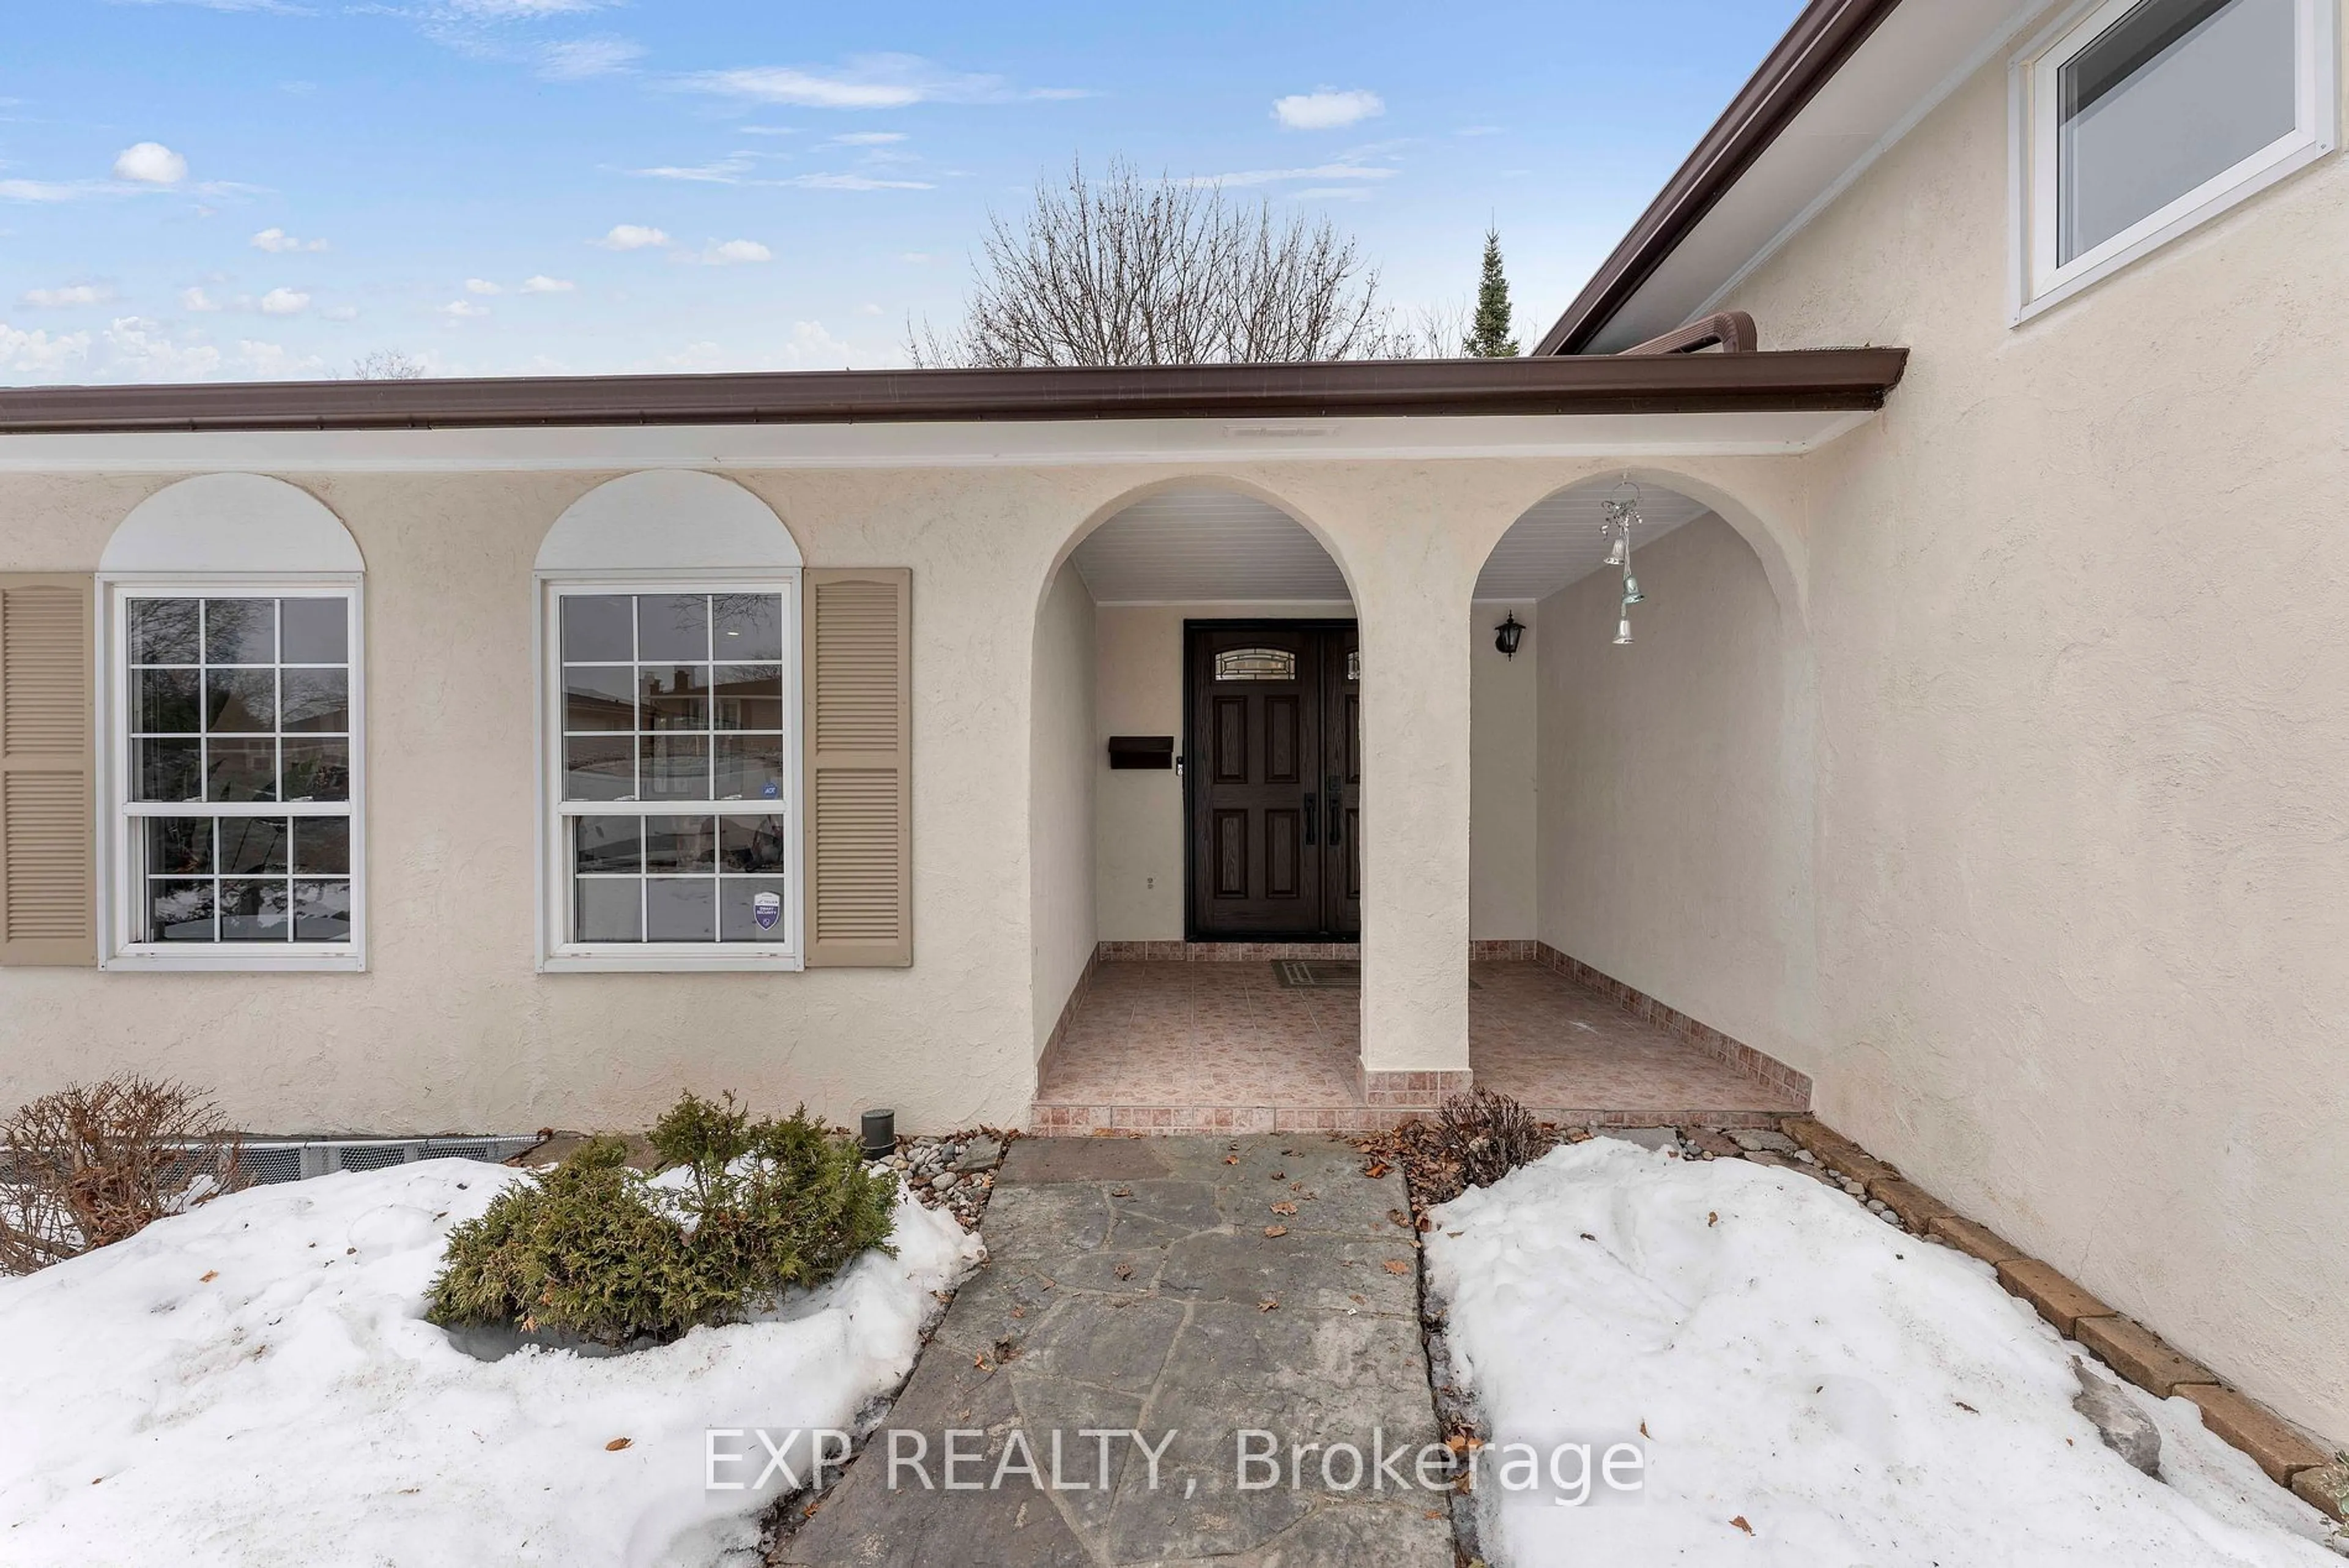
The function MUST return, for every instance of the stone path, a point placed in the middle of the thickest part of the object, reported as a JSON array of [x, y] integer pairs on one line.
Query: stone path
[[1127, 1290]]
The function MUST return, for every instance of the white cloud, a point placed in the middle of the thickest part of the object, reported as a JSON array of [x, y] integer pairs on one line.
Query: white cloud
[[766, 130], [1327, 109], [541, 283], [71, 295], [144, 350], [1282, 176], [275, 361], [732, 252], [275, 7], [866, 139], [149, 164], [731, 170], [581, 60], [853, 182], [462, 309], [340, 313], [866, 81], [37, 354], [42, 191], [518, 10], [632, 237], [285, 302], [868, 309], [482, 285], [196, 299], [277, 242]]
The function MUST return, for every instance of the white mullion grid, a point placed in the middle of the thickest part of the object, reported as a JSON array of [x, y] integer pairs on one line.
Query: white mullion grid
[[559, 902], [124, 882]]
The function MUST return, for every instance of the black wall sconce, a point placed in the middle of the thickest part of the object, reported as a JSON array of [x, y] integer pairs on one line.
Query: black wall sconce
[[1508, 634]]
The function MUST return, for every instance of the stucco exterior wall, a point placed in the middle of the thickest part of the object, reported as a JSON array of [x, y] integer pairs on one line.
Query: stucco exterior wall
[[1503, 826], [1063, 771], [1673, 851], [2082, 841], [451, 1028]]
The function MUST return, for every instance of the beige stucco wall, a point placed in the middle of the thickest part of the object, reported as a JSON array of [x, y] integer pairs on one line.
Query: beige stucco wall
[[1063, 773], [1502, 827], [1675, 833], [452, 1028], [2082, 840]]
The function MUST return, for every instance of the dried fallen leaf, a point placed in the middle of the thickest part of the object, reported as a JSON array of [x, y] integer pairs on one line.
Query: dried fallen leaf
[[209, 1275], [1643, 1431], [1276, 1230], [1424, 1223], [1284, 1208], [1120, 1192], [1397, 1266], [1280, 1176], [1123, 1271], [1969, 1409], [1740, 1522], [1588, 1237], [1712, 1217], [1378, 1168], [1267, 1304], [1231, 1159], [616, 1444], [1435, 1513]]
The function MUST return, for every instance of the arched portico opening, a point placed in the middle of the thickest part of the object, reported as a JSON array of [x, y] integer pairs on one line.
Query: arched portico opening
[[1196, 817], [1641, 825]]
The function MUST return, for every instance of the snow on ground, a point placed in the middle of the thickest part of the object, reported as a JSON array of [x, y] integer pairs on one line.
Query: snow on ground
[[1806, 1367], [255, 1382]]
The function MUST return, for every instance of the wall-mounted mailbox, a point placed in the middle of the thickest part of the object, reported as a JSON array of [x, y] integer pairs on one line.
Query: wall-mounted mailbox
[[1142, 751]]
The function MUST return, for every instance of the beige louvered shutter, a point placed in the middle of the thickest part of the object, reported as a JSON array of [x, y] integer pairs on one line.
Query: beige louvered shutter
[[48, 843], [858, 740]]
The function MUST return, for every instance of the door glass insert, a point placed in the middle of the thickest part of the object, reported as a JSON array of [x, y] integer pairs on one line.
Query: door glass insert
[[1256, 664]]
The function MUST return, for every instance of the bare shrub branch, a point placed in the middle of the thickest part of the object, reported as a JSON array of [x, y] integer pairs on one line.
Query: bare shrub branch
[[1129, 271], [93, 1164], [1490, 1134]]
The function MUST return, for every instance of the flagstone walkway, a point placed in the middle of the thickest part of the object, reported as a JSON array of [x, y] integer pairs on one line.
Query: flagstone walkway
[[1163, 1290]]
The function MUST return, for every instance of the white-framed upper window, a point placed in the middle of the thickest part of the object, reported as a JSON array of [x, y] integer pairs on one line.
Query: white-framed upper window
[[2135, 120], [672, 762], [232, 714]]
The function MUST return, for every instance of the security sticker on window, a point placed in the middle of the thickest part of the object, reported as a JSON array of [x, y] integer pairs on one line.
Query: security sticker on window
[[767, 908]]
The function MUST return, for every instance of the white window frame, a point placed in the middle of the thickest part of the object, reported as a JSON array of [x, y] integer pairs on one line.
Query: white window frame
[[2036, 280], [117, 899], [558, 955]]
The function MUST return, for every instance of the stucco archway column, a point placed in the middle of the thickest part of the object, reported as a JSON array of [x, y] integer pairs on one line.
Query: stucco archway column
[[1414, 572]]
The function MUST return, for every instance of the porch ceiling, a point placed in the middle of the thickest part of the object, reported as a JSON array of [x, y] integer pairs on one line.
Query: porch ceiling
[[1198, 545], [1557, 542]]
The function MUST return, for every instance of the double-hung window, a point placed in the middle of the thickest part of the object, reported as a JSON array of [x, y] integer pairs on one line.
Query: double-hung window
[[2138, 119], [673, 761], [233, 774]]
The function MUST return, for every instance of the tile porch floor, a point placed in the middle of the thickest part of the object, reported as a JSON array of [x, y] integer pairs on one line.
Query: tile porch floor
[[1216, 1047]]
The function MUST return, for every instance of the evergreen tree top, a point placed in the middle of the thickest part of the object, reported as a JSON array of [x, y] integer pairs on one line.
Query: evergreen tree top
[[1488, 332]]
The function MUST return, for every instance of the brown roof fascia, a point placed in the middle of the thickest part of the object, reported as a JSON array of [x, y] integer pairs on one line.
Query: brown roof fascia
[[1822, 38], [1832, 378]]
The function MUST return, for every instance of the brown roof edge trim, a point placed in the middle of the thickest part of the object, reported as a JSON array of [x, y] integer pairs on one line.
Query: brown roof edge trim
[[1733, 329], [1820, 378], [1823, 38]]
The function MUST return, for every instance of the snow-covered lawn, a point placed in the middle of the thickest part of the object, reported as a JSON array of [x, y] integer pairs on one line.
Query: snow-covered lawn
[[1854, 1395], [254, 1382]]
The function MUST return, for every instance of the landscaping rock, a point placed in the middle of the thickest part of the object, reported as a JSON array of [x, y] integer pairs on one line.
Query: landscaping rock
[[1762, 1140], [2138, 1354], [1916, 1207], [1838, 1152], [981, 1153], [2127, 1430]]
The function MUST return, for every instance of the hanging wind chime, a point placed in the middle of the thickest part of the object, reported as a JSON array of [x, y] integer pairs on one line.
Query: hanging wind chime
[[1617, 518]]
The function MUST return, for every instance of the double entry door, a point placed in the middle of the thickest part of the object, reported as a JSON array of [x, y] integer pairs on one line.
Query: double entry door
[[1273, 780]]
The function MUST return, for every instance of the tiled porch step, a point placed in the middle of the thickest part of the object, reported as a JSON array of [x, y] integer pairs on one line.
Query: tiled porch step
[[1222, 952]]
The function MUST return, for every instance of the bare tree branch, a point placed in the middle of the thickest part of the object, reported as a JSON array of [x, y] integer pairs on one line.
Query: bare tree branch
[[1129, 271]]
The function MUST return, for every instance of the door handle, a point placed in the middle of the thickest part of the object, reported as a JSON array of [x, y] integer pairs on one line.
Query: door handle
[[1337, 812], [1309, 802]]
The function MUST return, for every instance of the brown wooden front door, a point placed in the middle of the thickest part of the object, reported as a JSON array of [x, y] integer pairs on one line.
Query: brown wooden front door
[[1273, 778]]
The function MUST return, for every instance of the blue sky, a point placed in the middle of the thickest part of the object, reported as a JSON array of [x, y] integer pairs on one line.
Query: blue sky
[[239, 189]]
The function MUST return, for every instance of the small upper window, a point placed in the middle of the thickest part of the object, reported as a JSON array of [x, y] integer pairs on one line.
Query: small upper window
[[2148, 117], [1256, 664]]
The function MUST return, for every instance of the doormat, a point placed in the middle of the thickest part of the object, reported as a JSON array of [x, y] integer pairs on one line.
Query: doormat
[[1318, 974]]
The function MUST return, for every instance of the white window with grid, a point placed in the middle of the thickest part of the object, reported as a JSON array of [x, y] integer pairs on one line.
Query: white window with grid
[[672, 762], [234, 774]]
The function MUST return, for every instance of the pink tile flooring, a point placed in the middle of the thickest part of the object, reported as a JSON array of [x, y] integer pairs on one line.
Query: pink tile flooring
[[1174, 1046]]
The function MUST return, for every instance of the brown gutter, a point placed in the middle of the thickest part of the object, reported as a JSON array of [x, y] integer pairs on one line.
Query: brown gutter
[[1822, 38], [1832, 378]]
